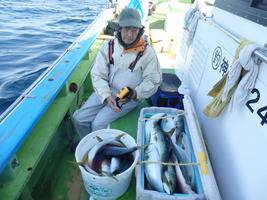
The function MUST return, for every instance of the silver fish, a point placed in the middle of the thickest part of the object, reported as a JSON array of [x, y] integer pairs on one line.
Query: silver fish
[[153, 171], [179, 123], [105, 166], [168, 124], [183, 156], [114, 165], [181, 183], [95, 149], [149, 125], [158, 139], [169, 179], [111, 150], [156, 151]]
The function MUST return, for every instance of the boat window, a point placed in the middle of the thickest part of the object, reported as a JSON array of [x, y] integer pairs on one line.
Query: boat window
[[254, 10]]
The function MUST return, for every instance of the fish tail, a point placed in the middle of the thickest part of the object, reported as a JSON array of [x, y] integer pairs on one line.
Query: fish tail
[[99, 139], [120, 135], [79, 163], [73, 162]]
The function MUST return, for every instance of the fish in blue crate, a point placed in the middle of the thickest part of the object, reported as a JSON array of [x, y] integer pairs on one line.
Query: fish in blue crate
[[156, 152], [168, 145]]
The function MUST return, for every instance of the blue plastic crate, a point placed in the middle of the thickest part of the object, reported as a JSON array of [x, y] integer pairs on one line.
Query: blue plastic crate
[[167, 94], [167, 99], [142, 192]]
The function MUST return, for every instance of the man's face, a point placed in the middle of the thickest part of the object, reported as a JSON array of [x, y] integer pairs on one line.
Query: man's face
[[129, 34]]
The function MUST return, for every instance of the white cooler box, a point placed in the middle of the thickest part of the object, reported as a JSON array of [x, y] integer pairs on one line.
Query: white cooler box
[[205, 185]]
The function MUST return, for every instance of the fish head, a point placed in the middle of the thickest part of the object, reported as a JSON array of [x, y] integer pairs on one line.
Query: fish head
[[168, 125]]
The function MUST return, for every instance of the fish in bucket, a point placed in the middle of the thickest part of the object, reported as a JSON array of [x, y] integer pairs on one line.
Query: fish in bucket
[[107, 159]]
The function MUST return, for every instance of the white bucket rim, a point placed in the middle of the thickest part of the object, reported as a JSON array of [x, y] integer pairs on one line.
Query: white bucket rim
[[136, 153]]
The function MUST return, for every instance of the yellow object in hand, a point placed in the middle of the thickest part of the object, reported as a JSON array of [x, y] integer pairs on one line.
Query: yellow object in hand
[[123, 93]]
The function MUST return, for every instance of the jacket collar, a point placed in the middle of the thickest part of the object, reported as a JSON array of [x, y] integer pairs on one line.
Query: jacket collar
[[139, 46]]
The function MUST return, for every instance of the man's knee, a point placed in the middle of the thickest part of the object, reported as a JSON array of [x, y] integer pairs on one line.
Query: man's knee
[[77, 117], [99, 124]]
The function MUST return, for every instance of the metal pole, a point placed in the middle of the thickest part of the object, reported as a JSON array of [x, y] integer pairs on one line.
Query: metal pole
[[260, 55]]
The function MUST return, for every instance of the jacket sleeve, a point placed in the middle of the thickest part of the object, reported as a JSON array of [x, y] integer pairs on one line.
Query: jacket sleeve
[[152, 77], [100, 73]]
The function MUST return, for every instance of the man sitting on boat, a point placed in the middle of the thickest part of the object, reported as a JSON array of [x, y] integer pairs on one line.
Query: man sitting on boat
[[125, 61]]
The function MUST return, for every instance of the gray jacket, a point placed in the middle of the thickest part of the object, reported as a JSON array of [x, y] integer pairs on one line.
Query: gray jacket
[[109, 79]]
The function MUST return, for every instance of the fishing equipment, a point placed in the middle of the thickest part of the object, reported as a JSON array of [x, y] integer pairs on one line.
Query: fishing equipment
[[124, 96]]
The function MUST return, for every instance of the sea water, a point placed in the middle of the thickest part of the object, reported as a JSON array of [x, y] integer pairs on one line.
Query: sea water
[[33, 34]]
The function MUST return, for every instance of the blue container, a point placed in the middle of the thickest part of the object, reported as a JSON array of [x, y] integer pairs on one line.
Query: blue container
[[167, 94], [143, 191]]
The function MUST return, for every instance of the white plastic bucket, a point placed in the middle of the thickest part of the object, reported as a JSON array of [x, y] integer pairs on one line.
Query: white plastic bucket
[[104, 187]]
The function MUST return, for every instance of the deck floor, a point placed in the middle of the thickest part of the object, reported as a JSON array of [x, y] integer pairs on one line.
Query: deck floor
[[67, 183]]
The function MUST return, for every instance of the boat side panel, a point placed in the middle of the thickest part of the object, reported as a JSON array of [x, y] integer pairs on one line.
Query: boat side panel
[[236, 140], [240, 26], [40, 153], [15, 127]]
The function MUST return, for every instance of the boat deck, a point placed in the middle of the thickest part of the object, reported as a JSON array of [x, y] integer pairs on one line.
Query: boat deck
[[67, 182], [46, 152]]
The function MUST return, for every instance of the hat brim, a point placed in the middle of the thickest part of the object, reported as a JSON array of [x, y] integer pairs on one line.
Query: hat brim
[[130, 23]]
